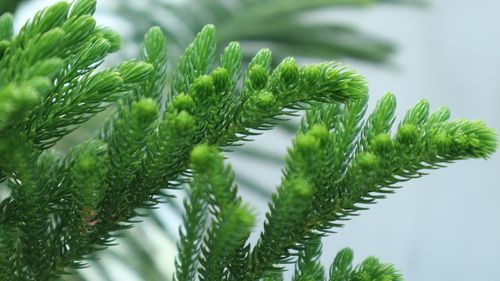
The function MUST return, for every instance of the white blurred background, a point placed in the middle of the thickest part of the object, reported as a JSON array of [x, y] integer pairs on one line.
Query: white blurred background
[[444, 226]]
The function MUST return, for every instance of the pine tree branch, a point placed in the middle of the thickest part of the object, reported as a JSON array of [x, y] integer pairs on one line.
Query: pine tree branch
[[62, 209], [187, 118], [342, 174], [308, 266], [231, 221], [32, 215], [369, 269], [191, 237]]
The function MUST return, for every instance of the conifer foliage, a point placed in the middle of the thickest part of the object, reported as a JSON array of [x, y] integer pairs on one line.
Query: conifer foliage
[[56, 210]]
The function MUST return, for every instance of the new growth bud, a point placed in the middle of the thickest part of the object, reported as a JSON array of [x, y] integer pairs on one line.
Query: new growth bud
[[202, 88], [204, 156], [183, 102], [221, 80], [407, 134], [144, 111], [289, 71], [367, 160], [257, 78], [382, 144]]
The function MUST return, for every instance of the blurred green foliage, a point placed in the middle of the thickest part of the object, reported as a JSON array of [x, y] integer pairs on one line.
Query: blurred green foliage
[[9, 6]]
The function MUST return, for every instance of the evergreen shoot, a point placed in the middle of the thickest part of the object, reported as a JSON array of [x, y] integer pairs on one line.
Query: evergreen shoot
[[56, 210]]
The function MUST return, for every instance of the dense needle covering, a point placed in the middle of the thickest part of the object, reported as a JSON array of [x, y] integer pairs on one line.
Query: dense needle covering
[[56, 209]]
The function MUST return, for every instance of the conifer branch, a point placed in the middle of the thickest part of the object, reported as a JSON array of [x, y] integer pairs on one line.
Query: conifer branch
[[370, 269], [308, 266], [231, 221], [187, 122], [61, 209], [32, 215], [191, 237], [341, 180]]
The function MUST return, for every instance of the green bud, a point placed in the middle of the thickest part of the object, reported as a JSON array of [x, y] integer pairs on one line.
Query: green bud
[[85, 164], [257, 77], [474, 138], [307, 143], [301, 188], [78, 29], [83, 7], [221, 80], [203, 156], [144, 111], [257, 105], [182, 122], [6, 26], [407, 134], [312, 74], [319, 131], [135, 71], [367, 160], [202, 88], [183, 102], [289, 71], [442, 142], [264, 100], [381, 144]]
